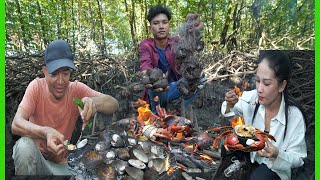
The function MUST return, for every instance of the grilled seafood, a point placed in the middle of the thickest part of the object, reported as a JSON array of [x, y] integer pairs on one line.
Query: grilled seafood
[[242, 137]]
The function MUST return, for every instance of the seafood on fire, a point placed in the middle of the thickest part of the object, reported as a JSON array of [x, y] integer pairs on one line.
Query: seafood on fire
[[241, 137]]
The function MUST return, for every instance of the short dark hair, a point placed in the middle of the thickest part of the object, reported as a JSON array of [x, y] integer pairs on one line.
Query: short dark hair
[[156, 10]]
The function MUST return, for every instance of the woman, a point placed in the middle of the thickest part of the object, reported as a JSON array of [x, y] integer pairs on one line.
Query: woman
[[269, 109]]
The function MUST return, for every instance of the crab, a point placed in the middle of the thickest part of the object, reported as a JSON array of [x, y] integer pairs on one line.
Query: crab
[[242, 137], [167, 126]]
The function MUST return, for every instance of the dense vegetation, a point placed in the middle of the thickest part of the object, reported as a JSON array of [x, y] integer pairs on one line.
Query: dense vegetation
[[113, 27]]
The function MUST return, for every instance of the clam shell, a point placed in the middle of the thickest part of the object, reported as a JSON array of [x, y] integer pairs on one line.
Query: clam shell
[[123, 154], [117, 141], [151, 174], [91, 159], [132, 141], [109, 156], [146, 146], [140, 155], [149, 131], [135, 173], [137, 163], [119, 165], [82, 143], [157, 164], [138, 146], [100, 146], [106, 171]]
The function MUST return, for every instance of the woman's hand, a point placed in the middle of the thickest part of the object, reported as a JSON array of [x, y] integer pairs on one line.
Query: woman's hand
[[231, 98], [269, 151]]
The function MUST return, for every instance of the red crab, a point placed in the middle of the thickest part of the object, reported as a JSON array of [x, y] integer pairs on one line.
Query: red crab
[[242, 137]]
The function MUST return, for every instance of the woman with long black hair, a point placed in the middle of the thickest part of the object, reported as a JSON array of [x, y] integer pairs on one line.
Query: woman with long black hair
[[269, 109]]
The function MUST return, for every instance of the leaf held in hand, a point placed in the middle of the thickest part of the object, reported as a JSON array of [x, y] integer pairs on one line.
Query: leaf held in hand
[[81, 105]]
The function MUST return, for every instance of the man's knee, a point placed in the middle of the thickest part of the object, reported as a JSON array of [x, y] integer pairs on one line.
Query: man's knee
[[25, 156], [24, 147]]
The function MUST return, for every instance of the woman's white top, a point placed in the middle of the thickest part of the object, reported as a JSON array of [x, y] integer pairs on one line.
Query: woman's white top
[[292, 149]]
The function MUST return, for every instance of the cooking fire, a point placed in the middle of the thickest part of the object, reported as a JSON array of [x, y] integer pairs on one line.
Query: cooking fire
[[149, 146]]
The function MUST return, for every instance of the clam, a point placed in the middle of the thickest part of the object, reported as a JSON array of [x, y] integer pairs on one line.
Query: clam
[[119, 165], [109, 156], [157, 164], [132, 141], [117, 141], [137, 163], [151, 174], [138, 146], [135, 173], [106, 171], [140, 155], [123, 153], [146, 146], [82, 143], [101, 146], [91, 159]]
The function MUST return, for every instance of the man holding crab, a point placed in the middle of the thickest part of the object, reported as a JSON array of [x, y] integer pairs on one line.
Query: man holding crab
[[47, 114]]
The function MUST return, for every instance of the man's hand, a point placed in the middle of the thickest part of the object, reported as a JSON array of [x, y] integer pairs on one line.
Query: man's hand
[[269, 151], [88, 110], [202, 81], [154, 79], [55, 144]]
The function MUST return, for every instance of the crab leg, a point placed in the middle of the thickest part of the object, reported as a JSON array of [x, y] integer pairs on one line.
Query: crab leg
[[218, 128], [215, 142]]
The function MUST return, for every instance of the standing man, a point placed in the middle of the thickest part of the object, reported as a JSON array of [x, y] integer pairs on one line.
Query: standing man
[[47, 115], [158, 52]]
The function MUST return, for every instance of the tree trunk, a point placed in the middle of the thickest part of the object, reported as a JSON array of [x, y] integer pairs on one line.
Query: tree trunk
[[129, 13], [103, 48], [23, 29], [226, 25], [43, 29], [74, 24]]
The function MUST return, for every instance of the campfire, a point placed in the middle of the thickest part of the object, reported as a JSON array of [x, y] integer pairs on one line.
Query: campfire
[[148, 146]]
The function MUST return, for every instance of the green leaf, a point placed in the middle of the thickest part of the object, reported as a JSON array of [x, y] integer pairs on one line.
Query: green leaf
[[81, 105]]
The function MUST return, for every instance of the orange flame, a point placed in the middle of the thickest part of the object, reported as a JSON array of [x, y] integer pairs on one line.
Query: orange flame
[[145, 114], [169, 168], [237, 120], [188, 147], [207, 158], [237, 91]]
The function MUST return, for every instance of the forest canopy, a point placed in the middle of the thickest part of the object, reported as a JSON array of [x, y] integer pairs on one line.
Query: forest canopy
[[115, 27]]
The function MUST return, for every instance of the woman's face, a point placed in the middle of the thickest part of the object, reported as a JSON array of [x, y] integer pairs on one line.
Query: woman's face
[[268, 88]]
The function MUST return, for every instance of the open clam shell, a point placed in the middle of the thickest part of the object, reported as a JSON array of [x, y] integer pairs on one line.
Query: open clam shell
[[138, 154], [245, 131], [82, 143], [137, 163]]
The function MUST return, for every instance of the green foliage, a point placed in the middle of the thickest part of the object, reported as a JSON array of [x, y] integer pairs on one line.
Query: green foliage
[[79, 21]]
